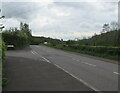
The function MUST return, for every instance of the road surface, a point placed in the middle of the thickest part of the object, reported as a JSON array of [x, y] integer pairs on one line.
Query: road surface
[[29, 72], [96, 74]]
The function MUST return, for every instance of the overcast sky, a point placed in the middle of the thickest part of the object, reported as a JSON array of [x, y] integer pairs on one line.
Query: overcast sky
[[63, 20]]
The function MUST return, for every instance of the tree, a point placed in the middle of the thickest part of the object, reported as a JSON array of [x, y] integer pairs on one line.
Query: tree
[[106, 28], [69, 42], [25, 28], [18, 38], [114, 25]]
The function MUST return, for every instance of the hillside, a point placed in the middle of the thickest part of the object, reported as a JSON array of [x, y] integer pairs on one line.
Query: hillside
[[104, 39]]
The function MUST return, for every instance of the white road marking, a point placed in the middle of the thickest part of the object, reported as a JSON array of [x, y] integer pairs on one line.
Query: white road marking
[[89, 64], [85, 83], [45, 59], [35, 53], [116, 73], [84, 62]]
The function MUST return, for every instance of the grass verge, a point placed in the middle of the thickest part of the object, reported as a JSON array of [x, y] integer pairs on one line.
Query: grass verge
[[92, 53]]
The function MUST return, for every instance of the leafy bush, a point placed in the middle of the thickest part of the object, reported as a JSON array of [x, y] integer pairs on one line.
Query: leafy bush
[[97, 49], [19, 38], [3, 60]]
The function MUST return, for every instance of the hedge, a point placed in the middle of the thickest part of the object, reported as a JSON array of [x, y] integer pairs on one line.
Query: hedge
[[97, 49]]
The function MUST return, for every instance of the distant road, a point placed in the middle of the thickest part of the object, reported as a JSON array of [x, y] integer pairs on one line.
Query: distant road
[[96, 74]]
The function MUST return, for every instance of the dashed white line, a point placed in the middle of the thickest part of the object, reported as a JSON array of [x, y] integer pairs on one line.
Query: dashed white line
[[84, 62], [116, 73], [89, 64]]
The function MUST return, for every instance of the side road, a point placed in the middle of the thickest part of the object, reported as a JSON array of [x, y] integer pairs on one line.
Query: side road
[[27, 74]]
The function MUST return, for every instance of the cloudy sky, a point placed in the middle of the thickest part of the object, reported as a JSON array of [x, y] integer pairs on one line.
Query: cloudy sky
[[63, 20]]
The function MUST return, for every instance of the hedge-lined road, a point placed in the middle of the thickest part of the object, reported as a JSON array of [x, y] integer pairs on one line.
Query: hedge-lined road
[[96, 74]]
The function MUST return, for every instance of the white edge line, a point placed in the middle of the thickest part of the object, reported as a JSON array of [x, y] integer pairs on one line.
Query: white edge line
[[85, 83]]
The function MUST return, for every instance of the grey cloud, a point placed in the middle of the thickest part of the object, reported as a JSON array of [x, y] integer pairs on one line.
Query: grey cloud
[[18, 9], [84, 19]]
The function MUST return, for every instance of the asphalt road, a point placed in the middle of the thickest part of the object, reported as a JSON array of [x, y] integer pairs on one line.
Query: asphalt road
[[96, 74], [30, 72]]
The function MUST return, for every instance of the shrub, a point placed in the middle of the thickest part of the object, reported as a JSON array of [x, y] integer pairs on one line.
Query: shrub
[[97, 49], [3, 60]]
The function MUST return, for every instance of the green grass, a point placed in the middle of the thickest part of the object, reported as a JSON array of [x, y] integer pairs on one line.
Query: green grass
[[92, 53]]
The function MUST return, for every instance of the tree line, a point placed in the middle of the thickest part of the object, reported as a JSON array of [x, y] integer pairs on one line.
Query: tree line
[[109, 36], [104, 39]]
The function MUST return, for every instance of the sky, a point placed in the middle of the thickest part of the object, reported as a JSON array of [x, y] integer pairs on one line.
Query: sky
[[60, 19]]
